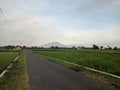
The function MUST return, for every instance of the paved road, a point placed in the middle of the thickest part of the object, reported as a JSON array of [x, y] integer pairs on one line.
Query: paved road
[[45, 75]]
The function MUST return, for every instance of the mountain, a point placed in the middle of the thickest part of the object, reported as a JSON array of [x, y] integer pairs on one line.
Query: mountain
[[53, 44]]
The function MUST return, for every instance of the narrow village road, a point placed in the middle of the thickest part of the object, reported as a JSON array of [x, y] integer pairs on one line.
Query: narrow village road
[[46, 75]]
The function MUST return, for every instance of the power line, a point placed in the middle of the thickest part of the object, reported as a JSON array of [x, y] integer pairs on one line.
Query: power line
[[1, 10], [3, 16]]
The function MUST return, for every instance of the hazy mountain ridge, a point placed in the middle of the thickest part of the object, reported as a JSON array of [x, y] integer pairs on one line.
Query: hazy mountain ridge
[[48, 45], [58, 44]]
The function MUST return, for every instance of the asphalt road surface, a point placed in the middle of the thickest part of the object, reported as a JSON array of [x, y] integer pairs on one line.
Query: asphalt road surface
[[46, 75]]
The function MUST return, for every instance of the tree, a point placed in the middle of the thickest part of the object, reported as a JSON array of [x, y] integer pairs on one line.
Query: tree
[[109, 47], [101, 47], [9, 47], [56, 47], [52, 47], [73, 47], [115, 48], [95, 46]]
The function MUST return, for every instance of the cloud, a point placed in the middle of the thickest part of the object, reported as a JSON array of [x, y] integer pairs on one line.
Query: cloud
[[29, 29], [83, 37], [107, 5], [36, 22], [23, 6], [37, 30]]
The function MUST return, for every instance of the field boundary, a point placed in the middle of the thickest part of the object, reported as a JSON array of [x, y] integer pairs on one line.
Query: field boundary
[[91, 69], [8, 67]]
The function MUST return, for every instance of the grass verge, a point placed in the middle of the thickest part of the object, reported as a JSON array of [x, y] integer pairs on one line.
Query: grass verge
[[16, 78], [113, 82]]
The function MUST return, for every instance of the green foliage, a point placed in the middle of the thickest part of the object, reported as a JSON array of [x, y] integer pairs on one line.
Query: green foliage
[[16, 78], [6, 58], [104, 60]]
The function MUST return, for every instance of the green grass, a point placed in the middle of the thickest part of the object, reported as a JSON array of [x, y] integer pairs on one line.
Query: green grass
[[17, 77], [106, 60], [92, 56], [6, 57]]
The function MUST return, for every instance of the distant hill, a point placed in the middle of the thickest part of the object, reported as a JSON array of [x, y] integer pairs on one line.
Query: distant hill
[[53, 44]]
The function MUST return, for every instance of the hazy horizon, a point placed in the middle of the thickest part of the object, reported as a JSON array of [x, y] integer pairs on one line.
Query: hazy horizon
[[78, 22]]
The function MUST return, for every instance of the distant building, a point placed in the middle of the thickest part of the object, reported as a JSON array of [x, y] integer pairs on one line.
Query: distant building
[[2, 48], [17, 48]]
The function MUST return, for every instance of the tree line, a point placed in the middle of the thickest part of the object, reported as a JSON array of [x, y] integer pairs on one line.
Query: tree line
[[94, 46]]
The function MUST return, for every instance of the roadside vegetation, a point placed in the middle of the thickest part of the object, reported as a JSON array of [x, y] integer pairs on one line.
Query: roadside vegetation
[[104, 60], [6, 57], [16, 78]]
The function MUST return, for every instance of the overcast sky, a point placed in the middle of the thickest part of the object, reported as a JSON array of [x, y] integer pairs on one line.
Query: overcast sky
[[76, 22]]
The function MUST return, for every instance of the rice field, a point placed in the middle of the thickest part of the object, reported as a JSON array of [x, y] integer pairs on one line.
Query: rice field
[[104, 60], [6, 57]]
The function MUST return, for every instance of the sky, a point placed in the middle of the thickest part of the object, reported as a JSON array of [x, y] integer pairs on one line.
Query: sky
[[71, 22]]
